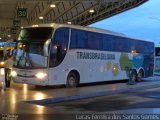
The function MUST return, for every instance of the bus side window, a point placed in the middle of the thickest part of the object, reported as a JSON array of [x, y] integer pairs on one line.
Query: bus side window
[[157, 52], [78, 39], [59, 46]]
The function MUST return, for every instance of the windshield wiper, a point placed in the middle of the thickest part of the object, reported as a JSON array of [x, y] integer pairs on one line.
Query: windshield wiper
[[27, 60]]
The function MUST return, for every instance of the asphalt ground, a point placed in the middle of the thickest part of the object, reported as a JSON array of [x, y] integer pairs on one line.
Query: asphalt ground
[[28, 101]]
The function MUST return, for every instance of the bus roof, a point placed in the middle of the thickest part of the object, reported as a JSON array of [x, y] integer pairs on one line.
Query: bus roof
[[93, 29], [86, 28]]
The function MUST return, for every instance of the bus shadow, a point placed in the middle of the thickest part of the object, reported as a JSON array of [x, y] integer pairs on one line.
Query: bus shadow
[[38, 87], [102, 83]]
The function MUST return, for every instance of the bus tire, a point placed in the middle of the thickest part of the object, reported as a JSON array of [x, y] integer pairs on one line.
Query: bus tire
[[72, 80], [133, 75], [140, 75]]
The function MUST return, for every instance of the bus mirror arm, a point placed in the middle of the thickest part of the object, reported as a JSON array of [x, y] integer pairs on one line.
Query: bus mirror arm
[[46, 47]]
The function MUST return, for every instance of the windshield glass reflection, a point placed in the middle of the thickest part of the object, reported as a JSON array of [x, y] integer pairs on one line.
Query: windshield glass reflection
[[30, 48]]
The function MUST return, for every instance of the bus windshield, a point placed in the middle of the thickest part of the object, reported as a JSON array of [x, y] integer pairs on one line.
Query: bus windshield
[[30, 47]]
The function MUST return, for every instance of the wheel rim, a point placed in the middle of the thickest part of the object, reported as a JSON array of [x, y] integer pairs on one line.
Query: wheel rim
[[72, 81], [140, 76], [133, 78]]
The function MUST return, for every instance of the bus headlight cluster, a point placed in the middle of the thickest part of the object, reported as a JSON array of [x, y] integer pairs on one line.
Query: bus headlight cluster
[[13, 73], [2, 63], [2, 71], [41, 75]]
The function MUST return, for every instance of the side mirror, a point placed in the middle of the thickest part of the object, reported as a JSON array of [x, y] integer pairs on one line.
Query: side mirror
[[46, 47]]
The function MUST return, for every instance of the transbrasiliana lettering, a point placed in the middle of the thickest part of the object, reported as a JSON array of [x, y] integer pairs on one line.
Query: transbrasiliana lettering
[[96, 56]]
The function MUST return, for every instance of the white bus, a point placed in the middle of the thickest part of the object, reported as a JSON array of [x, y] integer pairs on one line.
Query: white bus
[[55, 54], [157, 62]]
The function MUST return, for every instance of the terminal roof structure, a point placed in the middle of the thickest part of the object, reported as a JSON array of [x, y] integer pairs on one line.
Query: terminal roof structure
[[17, 13]]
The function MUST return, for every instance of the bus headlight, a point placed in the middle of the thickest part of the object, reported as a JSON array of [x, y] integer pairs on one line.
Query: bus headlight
[[41, 75], [2, 63], [2, 71], [13, 73]]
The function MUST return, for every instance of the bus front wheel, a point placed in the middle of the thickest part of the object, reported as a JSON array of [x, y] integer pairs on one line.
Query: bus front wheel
[[72, 80]]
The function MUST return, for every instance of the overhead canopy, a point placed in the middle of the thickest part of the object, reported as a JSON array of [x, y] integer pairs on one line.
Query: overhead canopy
[[81, 12]]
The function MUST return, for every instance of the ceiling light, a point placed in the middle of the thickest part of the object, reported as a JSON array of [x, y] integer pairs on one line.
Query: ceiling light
[[41, 17], [52, 5], [9, 36], [91, 11], [34, 25], [69, 23]]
